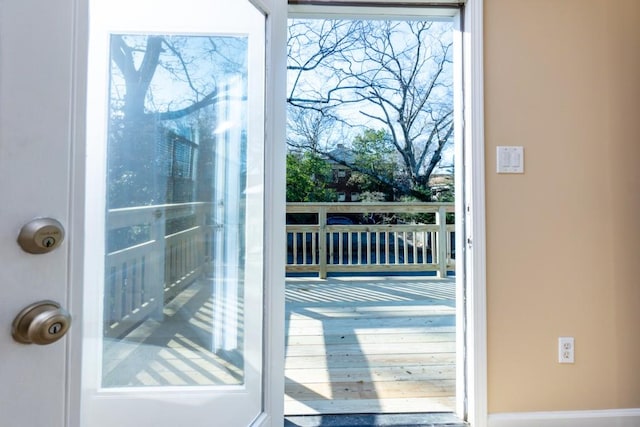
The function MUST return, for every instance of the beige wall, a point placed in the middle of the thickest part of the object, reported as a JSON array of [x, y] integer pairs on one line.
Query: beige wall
[[562, 79]]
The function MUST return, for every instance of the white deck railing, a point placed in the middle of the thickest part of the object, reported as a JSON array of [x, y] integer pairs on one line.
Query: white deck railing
[[397, 247], [141, 277]]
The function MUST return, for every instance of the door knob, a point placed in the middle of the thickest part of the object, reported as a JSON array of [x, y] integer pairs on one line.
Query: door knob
[[43, 322]]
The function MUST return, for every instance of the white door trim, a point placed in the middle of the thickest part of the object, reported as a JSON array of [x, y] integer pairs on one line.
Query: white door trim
[[274, 206], [475, 233], [77, 212], [474, 410], [614, 417]]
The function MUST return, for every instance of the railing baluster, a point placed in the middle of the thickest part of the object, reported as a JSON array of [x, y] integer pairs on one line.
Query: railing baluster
[[112, 282], [182, 253], [405, 247], [314, 246], [322, 224], [434, 247], [441, 220], [136, 289], [131, 280], [295, 247], [386, 247], [121, 288], [157, 262], [425, 248], [369, 237], [304, 247], [395, 248]]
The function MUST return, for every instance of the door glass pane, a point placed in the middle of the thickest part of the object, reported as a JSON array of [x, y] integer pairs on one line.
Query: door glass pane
[[177, 203]]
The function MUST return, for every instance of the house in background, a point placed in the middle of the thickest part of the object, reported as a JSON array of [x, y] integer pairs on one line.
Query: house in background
[[348, 190], [344, 187]]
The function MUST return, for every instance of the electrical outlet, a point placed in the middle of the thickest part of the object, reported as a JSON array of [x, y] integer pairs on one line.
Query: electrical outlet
[[566, 350]]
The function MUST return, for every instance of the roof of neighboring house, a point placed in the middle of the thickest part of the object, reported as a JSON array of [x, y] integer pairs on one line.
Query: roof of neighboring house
[[341, 154]]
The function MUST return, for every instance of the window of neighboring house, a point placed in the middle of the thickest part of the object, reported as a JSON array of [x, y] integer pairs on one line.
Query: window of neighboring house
[[355, 197], [342, 196]]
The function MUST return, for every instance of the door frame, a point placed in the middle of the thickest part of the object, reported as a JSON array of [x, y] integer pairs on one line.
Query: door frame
[[474, 208], [471, 364], [475, 300], [274, 206]]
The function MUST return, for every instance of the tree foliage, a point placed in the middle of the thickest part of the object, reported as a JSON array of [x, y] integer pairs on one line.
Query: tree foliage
[[374, 163], [307, 178]]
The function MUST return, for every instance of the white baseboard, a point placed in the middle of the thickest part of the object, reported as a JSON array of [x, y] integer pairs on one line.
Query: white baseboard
[[605, 418]]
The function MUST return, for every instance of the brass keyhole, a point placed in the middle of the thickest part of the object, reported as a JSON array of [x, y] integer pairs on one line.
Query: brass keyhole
[[55, 328]]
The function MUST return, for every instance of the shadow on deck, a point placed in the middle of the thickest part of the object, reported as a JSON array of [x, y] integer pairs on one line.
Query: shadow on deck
[[370, 345], [176, 350]]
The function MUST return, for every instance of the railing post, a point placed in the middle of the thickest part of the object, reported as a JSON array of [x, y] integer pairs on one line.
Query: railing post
[[158, 263], [201, 240], [322, 241], [441, 221]]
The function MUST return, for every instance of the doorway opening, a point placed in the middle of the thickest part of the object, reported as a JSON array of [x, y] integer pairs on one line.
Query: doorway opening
[[371, 289]]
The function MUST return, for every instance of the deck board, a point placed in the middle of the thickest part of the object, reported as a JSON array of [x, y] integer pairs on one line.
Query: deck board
[[370, 346]]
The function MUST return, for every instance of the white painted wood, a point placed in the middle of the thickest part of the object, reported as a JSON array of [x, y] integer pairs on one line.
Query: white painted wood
[[335, 10], [36, 127], [434, 3], [460, 223], [275, 201], [475, 229], [601, 418], [397, 405]]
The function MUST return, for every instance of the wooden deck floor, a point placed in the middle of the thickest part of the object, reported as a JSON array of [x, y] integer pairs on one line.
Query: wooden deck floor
[[363, 345], [354, 345]]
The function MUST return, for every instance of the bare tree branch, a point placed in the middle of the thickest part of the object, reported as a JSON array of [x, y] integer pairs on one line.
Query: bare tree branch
[[395, 74]]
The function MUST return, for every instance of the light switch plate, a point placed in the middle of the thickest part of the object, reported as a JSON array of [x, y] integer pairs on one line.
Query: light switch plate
[[510, 159]]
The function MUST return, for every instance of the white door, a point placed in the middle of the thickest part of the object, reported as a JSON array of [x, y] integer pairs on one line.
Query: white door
[[145, 129]]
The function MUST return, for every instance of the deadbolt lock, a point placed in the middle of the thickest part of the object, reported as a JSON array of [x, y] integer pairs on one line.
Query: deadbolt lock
[[43, 322], [41, 235]]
